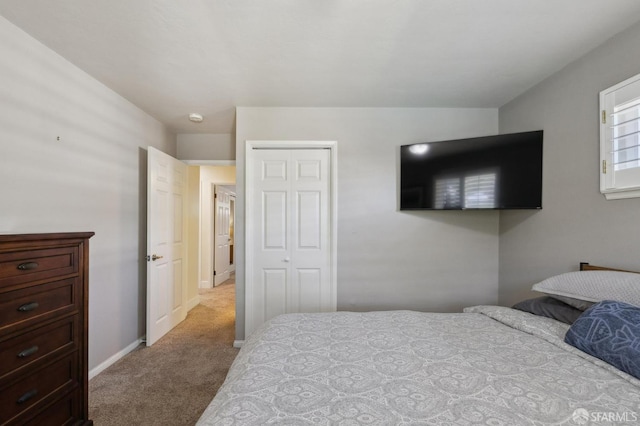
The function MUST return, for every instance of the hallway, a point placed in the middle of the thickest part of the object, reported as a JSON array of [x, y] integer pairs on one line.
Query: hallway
[[171, 382]]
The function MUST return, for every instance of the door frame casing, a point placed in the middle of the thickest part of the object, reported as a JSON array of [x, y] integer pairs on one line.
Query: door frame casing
[[251, 233]]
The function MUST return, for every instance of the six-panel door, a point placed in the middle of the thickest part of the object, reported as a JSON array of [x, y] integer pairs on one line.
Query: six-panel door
[[292, 248]]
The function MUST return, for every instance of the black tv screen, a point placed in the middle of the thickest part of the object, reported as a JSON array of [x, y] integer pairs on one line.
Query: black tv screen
[[490, 172]]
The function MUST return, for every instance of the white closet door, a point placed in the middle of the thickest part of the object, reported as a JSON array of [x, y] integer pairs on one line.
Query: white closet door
[[291, 249]]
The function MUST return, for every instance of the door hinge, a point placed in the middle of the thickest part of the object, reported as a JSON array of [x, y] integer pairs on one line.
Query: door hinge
[[604, 167], [604, 117], [214, 273], [215, 195]]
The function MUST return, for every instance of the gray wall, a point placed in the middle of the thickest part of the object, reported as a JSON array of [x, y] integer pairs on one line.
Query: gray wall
[[92, 179], [206, 146], [576, 223], [387, 259]]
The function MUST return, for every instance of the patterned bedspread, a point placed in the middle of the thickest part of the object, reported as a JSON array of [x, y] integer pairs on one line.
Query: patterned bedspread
[[489, 365]]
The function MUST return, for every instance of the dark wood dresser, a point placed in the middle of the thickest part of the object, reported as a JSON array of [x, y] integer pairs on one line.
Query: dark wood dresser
[[43, 329]]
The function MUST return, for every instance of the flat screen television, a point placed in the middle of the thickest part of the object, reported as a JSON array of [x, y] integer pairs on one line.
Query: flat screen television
[[490, 172]]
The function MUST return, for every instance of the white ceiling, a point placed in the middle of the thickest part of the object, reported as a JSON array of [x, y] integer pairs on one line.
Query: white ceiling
[[175, 57]]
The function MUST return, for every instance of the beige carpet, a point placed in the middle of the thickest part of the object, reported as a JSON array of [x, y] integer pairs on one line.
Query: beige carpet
[[171, 382]]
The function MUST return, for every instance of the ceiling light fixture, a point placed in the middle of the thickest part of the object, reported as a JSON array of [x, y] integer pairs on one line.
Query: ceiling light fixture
[[195, 117]]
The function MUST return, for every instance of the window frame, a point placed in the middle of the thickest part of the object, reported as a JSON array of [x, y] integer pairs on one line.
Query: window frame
[[610, 185]]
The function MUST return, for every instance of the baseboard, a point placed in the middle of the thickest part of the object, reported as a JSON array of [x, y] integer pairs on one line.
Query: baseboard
[[114, 358], [193, 303], [238, 343]]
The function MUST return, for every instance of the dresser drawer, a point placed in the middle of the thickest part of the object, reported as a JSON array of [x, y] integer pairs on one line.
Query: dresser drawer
[[21, 308], [63, 412], [38, 345], [32, 265], [41, 386]]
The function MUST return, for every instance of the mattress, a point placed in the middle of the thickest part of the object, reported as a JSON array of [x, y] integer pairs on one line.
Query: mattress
[[488, 365]]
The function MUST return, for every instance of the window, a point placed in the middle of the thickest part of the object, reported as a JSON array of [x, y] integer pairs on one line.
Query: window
[[620, 140]]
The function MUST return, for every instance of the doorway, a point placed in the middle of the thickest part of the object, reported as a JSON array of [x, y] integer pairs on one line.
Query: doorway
[[202, 179], [222, 226]]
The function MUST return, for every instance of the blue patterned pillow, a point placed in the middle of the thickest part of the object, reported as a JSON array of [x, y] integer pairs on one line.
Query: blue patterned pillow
[[609, 330]]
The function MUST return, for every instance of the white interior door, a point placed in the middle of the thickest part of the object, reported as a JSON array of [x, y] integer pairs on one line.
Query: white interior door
[[291, 237], [222, 239], [166, 248]]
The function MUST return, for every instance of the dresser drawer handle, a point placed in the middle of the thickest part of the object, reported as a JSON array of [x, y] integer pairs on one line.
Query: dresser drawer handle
[[28, 307], [27, 396], [27, 266], [28, 352]]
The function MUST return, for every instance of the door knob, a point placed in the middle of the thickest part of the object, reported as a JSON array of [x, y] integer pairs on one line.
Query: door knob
[[156, 257], [286, 259]]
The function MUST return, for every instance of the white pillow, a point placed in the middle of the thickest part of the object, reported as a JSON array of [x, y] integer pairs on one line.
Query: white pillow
[[594, 286]]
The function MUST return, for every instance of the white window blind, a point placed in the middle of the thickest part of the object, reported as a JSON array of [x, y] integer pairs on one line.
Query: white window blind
[[620, 140], [625, 134]]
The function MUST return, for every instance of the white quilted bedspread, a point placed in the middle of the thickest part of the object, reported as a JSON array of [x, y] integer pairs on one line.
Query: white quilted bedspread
[[490, 365]]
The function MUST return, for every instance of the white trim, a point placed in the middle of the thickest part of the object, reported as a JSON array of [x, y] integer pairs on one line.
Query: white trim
[[620, 194], [193, 303], [114, 358], [209, 162], [250, 232], [199, 233], [212, 236], [238, 343]]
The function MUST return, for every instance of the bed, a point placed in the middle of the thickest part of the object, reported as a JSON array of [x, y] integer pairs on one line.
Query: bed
[[488, 365]]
